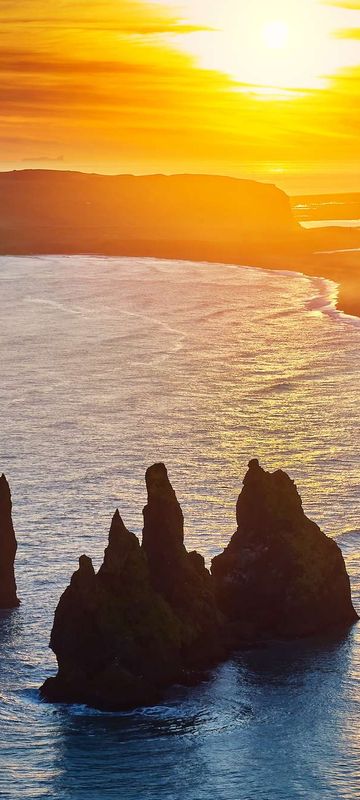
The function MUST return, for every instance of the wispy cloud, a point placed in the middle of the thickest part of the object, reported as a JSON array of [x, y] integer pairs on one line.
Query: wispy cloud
[[103, 82], [352, 5], [348, 33], [43, 160]]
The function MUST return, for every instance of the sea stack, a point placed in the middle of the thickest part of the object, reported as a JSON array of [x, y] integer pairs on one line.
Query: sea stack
[[115, 640], [154, 616], [280, 576], [180, 577], [124, 634], [8, 547]]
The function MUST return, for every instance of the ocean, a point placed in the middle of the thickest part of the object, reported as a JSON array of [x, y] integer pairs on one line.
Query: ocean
[[111, 364]]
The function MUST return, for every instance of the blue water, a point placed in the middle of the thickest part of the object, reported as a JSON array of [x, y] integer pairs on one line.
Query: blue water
[[108, 365]]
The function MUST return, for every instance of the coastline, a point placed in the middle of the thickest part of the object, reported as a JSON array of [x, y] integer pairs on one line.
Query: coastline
[[206, 218], [340, 265]]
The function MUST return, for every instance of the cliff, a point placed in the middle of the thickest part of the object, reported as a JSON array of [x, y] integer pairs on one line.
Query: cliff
[[8, 547], [280, 576], [153, 615], [178, 216]]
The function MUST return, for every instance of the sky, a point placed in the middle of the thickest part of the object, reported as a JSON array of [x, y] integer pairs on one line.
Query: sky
[[267, 89]]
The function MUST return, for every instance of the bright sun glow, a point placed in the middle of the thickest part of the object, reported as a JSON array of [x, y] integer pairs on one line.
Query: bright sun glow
[[281, 45], [276, 34]]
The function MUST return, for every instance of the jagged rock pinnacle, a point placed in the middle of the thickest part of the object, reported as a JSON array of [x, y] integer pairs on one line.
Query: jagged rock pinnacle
[[280, 575], [8, 547]]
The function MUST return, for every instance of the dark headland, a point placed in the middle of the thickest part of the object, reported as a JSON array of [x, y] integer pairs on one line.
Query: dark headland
[[154, 615], [190, 217]]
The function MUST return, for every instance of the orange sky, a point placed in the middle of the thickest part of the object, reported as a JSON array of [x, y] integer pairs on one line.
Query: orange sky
[[266, 89]]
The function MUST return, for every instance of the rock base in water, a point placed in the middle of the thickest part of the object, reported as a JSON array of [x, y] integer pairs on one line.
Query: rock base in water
[[154, 616]]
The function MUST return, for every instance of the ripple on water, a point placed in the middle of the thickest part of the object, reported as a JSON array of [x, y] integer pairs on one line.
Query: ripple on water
[[107, 366]]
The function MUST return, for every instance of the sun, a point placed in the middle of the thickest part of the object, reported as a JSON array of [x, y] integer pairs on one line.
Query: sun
[[286, 45], [276, 34]]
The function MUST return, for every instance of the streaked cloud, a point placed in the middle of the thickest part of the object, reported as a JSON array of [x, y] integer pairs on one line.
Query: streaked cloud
[[109, 85], [348, 33], [352, 5]]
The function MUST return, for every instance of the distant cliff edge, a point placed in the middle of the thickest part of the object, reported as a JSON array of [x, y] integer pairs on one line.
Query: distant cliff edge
[[178, 216]]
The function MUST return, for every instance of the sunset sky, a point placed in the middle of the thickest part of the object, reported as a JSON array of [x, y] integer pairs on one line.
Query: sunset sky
[[266, 89]]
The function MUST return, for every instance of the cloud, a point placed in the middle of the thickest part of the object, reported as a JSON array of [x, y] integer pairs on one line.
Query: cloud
[[122, 16], [42, 159], [32, 62], [348, 33], [104, 84], [352, 5]]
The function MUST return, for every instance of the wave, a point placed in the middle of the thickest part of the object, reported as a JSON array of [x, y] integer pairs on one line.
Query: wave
[[333, 252], [326, 299]]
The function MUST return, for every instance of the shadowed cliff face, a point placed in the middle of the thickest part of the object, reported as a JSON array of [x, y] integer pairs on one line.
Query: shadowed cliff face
[[8, 546], [280, 575], [70, 212]]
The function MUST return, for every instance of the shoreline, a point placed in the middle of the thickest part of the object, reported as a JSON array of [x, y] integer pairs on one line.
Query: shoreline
[[204, 218], [341, 266]]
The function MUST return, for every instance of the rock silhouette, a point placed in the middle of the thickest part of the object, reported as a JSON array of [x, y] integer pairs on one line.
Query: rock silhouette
[[176, 216], [153, 615], [180, 577], [8, 547], [123, 634], [280, 576]]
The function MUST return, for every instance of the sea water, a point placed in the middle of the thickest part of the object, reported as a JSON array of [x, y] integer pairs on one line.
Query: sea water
[[108, 365]]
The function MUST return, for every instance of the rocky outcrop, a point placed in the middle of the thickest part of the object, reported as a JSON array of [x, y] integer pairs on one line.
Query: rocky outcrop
[[280, 576], [120, 636], [153, 615], [8, 547], [180, 577]]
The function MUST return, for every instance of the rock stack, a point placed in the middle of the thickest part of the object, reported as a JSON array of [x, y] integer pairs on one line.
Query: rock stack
[[280, 576], [153, 615], [8, 547], [146, 620]]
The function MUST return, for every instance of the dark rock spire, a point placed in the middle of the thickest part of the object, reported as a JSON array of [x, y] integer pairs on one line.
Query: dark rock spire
[[163, 532], [280, 575], [153, 615], [8, 547], [180, 577]]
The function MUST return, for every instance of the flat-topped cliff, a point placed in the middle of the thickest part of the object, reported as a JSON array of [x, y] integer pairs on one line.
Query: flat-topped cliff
[[178, 216]]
